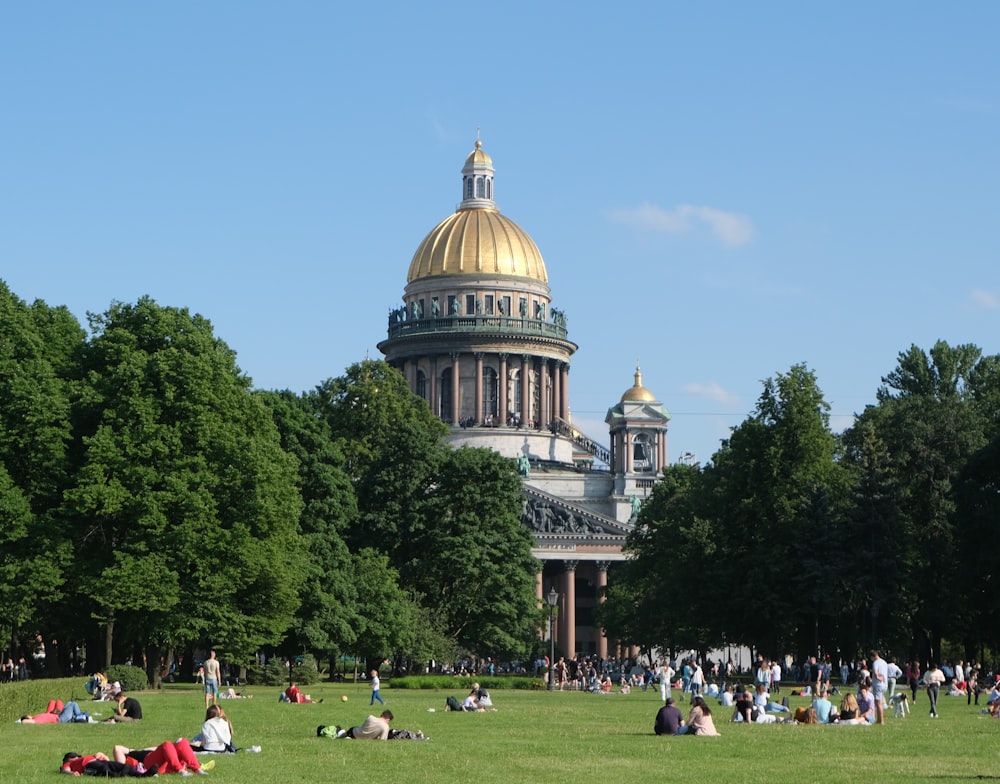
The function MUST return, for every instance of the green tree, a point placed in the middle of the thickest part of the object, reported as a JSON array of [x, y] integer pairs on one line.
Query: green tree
[[930, 422], [473, 558], [768, 482], [673, 548], [392, 446], [386, 618], [37, 345], [329, 614], [185, 509]]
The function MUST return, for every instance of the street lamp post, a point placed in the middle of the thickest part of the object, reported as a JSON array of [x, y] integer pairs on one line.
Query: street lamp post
[[553, 601]]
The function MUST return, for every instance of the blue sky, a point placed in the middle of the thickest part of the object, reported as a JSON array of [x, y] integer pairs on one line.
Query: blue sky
[[720, 190]]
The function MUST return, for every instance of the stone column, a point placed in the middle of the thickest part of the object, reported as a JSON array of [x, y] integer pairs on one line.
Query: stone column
[[602, 583], [525, 389], [567, 620], [502, 410], [455, 388], [565, 390], [557, 391], [543, 392], [478, 415], [433, 391]]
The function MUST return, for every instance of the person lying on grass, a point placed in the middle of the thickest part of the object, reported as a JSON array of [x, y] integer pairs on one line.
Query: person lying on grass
[[99, 765], [168, 757], [374, 728], [58, 713]]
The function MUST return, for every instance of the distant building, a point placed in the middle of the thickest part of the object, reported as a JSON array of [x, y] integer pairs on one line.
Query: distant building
[[478, 338]]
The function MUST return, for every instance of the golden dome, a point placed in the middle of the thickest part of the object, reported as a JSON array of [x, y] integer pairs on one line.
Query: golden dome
[[637, 393], [478, 241], [479, 158]]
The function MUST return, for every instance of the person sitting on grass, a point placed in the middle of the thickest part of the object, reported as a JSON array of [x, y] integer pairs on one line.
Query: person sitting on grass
[[471, 703], [293, 694], [849, 711], [669, 720], [805, 715], [823, 706], [216, 733], [763, 702], [700, 719], [866, 702], [127, 709], [742, 705], [168, 757]]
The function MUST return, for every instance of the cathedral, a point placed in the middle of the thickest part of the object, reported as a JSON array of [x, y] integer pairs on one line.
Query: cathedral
[[478, 337]]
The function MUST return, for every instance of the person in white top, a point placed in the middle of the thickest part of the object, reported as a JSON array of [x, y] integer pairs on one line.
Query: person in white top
[[666, 674], [376, 684], [216, 733]]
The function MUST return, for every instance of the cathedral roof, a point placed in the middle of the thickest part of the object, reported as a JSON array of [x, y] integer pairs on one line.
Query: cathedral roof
[[477, 239]]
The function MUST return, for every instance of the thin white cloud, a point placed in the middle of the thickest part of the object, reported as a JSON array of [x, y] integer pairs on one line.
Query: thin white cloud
[[714, 391], [732, 228], [986, 300]]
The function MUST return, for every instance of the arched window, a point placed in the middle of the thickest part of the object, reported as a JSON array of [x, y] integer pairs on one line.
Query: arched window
[[468, 187], [480, 189], [421, 384], [642, 454]]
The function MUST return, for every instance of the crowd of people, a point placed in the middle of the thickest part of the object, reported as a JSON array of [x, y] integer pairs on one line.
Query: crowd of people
[[877, 686]]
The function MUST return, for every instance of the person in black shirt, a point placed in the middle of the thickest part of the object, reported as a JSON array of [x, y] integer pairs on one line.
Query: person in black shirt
[[128, 709]]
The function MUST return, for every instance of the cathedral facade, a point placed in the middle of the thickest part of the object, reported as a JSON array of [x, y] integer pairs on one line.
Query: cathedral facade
[[477, 336]]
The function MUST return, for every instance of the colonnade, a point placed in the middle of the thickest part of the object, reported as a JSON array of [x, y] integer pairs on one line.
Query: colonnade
[[566, 623], [531, 388]]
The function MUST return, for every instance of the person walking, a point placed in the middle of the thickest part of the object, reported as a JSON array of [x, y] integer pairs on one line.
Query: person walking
[[933, 678], [376, 689], [912, 676]]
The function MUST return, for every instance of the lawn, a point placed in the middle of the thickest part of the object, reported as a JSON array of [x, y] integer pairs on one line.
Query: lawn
[[533, 737]]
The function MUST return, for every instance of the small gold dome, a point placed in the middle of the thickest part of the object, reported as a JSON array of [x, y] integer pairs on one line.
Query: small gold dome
[[479, 158], [637, 393], [478, 241]]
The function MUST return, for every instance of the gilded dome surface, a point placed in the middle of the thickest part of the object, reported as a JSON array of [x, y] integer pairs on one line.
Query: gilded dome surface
[[637, 393], [477, 241], [478, 158]]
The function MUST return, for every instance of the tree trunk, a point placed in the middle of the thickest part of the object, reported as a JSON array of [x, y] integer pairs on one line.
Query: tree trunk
[[109, 637], [154, 669]]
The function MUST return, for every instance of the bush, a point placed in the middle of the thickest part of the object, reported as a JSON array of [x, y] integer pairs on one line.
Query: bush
[[464, 683], [31, 697], [130, 677], [305, 670], [274, 673]]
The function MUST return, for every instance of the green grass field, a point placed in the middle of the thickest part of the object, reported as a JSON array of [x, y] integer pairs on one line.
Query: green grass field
[[533, 737]]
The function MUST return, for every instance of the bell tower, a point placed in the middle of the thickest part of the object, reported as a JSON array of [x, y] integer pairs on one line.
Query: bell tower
[[638, 428]]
